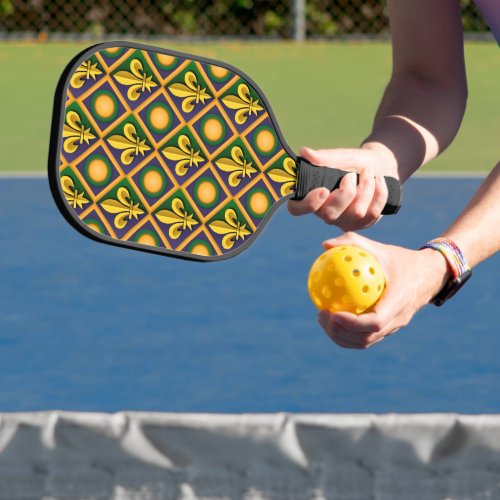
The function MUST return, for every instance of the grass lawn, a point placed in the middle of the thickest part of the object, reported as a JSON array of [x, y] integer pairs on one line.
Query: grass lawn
[[323, 95]]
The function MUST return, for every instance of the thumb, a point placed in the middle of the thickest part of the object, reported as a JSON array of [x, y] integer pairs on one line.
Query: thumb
[[338, 158]]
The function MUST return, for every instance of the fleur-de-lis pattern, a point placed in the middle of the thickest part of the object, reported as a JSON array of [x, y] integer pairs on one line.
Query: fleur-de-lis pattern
[[75, 132], [184, 156], [85, 71], [197, 186], [74, 197], [231, 228], [130, 142], [190, 92], [237, 165], [123, 206], [179, 219], [136, 79], [286, 176], [244, 104]]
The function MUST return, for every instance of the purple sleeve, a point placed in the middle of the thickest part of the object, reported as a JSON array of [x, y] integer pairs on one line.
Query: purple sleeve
[[490, 9]]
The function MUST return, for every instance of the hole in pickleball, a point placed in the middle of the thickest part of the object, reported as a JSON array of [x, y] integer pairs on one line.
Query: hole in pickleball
[[348, 258], [356, 273], [379, 288], [366, 289], [372, 270], [346, 299], [327, 293], [317, 276], [362, 254], [339, 281]]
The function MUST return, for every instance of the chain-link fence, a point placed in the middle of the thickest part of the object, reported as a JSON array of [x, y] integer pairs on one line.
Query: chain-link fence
[[206, 18]]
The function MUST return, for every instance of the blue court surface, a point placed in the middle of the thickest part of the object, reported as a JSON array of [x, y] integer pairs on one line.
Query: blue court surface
[[91, 327]]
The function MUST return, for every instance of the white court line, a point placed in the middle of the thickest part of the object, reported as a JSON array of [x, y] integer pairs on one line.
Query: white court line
[[23, 174], [454, 174]]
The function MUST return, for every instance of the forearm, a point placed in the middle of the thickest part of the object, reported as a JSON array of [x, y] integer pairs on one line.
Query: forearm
[[477, 230], [424, 103], [416, 120]]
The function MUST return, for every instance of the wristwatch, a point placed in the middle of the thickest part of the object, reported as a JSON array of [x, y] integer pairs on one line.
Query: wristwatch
[[460, 270]]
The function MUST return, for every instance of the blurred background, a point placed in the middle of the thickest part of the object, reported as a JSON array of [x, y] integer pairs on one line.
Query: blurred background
[[283, 19]]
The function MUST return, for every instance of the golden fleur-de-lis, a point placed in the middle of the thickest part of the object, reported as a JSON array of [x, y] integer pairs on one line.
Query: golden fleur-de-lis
[[184, 155], [130, 143], [237, 165], [287, 176], [178, 218], [72, 195], [231, 228], [244, 103], [191, 93], [124, 207], [75, 132], [85, 71], [136, 79]]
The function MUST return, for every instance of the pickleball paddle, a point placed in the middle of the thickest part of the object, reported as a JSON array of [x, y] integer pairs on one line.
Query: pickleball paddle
[[171, 153]]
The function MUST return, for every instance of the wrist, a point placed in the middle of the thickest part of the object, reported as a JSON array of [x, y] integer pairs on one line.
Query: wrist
[[437, 273], [386, 157], [457, 265]]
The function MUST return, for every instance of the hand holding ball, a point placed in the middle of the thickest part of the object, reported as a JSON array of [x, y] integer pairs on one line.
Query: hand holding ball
[[346, 278]]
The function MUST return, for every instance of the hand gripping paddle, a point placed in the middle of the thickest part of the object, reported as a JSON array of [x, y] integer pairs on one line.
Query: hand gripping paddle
[[170, 153]]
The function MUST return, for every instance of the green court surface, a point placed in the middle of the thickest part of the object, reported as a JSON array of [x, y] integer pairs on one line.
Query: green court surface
[[323, 95]]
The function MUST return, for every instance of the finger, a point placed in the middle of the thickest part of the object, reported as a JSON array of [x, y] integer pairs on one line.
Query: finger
[[338, 157], [311, 203], [338, 334], [365, 191], [338, 201], [380, 197], [348, 238]]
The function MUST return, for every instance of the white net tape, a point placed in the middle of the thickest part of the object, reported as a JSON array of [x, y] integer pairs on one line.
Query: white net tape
[[160, 456]]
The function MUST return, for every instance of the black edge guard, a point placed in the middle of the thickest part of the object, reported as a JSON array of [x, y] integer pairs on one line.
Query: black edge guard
[[310, 177]]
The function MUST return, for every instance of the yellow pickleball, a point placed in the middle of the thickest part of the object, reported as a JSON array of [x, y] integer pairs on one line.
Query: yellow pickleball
[[346, 278]]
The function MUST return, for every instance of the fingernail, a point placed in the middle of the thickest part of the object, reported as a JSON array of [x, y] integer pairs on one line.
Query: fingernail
[[324, 194]]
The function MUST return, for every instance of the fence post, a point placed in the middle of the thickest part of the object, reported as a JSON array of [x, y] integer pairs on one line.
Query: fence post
[[299, 20]]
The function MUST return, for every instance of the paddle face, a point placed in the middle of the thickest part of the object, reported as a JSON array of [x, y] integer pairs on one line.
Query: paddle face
[[165, 152]]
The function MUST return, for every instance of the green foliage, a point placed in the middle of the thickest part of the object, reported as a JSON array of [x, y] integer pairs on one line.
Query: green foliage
[[6, 8], [325, 18]]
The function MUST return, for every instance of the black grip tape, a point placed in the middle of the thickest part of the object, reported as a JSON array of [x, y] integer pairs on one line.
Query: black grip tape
[[311, 177]]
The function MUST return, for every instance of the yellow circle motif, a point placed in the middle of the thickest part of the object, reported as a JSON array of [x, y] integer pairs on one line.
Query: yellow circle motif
[[346, 278], [259, 203], [98, 170], [146, 239], [265, 141], [165, 59], [153, 181], [94, 227], [159, 118], [212, 129], [219, 72], [206, 192], [104, 106], [200, 249]]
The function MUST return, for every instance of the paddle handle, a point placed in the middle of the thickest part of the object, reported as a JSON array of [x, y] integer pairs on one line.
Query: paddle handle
[[310, 177]]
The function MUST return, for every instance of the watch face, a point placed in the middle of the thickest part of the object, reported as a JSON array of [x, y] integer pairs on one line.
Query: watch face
[[451, 288]]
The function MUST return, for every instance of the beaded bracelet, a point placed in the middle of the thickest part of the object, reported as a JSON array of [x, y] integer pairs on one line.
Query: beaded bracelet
[[459, 267]]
